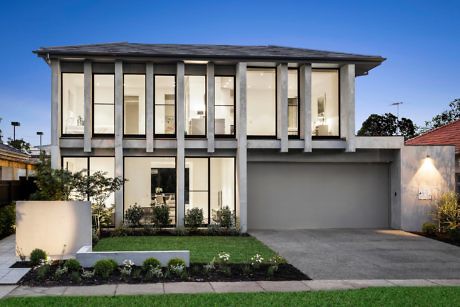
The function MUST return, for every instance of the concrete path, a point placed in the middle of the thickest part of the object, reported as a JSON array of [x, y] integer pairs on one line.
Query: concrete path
[[364, 254], [217, 287], [9, 276]]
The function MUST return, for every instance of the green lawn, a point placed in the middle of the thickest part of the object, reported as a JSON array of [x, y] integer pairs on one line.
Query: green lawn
[[430, 296], [202, 248]]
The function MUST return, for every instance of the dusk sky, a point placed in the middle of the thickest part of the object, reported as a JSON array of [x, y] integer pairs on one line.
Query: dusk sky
[[420, 39]]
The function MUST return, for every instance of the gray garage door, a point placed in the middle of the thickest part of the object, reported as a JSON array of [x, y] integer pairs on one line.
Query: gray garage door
[[317, 195]]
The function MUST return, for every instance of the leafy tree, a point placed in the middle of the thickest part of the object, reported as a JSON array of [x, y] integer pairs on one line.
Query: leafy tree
[[19, 144], [387, 125], [52, 184], [445, 117]]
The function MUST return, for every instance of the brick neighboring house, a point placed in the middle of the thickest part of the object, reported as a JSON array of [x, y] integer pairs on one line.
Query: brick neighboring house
[[446, 135]]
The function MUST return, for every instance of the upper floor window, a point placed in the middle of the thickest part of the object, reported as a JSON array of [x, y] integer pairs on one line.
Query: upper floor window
[[73, 115], [134, 104], [325, 102], [293, 102], [261, 102], [103, 104], [195, 105], [165, 105], [224, 106]]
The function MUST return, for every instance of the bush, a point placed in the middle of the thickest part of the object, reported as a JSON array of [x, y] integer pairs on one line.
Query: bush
[[151, 263], [429, 228], [194, 218], [75, 277], [43, 271], [447, 212], [160, 215], [104, 268], [73, 265], [174, 262], [224, 218], [7, 220], [36, 256], [134, 214]]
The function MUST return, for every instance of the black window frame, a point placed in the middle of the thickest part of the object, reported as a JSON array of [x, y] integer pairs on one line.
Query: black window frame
[[200, 136], [71, 135], [329, 137], [266, 137], [94, 134], [165, 135], [233, 135], [135, 136]]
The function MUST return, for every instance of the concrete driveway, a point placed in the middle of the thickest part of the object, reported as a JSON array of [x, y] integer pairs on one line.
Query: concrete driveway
[[364, 254]]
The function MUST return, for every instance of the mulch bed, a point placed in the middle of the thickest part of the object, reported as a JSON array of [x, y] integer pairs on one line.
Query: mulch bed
[[440, 237], [238, 272]]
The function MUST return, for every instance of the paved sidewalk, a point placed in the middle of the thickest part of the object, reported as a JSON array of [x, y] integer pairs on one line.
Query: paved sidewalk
[[219, 287], [9, 276]]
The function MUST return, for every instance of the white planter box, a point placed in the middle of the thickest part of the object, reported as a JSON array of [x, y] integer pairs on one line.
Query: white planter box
[[60, 228], [88, 258]]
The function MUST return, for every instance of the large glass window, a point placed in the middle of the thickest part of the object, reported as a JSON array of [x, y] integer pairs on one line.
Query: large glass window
[[134, 104], [222, 184], [325, 102], [151, 181], [103, 104], [196, 185], [224, 106], [73, 114], [293, 102], [261, 102], [165, 105], [75, 164], [195, 105]]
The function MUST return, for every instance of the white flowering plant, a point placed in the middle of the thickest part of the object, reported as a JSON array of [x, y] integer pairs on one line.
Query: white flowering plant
[[127, 268], [224, 258], [256, 261], [87, 274]]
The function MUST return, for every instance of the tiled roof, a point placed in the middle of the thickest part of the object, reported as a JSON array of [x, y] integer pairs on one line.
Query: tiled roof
[[446, 135], [201, 51]]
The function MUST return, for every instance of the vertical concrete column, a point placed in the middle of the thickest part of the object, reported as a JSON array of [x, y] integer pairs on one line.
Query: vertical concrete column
[[241, 152], [347, 101], [282, 104], [88, 105], [119, 139], [149, 116], [211, 94], [55, 113], [180, 157], [305, 106]]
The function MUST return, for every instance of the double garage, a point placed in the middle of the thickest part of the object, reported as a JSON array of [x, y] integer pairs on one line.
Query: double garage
[[294, 195]]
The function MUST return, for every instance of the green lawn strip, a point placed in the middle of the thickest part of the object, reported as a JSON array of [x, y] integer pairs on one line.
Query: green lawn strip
[[202, 248], [428, 296]]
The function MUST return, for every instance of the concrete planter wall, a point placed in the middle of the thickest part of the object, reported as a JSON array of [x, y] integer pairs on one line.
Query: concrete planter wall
[[88, 258], [60, 228]]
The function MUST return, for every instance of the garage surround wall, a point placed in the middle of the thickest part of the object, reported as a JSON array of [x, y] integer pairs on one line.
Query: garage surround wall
[[428, 169]]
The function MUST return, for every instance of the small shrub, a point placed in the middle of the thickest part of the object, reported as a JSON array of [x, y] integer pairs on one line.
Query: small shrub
[[120, 231], [429, 228], [37, 256], [73, 265], [154, 273], [160, 216], [7, 220], [447, 211], [180, 231], [75, 277], [151, 263], [43, 271], [256, 261], [213, 229], [176, 262], [60, 272], [225, 218], [136, 274], [126, 269], [194, 218], [134, 214], [223, 258], [87, 274], [247, 269], [104, 268]]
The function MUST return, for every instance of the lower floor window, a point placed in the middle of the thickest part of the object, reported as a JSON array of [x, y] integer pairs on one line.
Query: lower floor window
[[209, 184], [92, 165]]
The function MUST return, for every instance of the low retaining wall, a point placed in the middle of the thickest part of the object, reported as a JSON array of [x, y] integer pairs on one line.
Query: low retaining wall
[[88, 258]]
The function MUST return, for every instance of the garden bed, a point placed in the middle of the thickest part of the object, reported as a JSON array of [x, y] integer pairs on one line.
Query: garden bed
[[443, 237], [196, 272]]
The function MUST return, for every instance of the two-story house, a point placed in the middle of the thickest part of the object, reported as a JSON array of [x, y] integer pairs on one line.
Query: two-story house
[[268, 131]]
